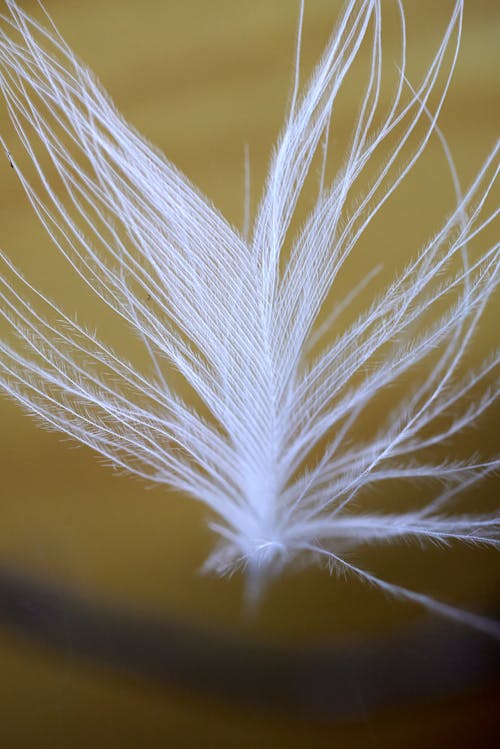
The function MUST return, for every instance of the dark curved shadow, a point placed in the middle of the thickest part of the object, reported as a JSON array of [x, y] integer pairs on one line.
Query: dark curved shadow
[[341, 680]]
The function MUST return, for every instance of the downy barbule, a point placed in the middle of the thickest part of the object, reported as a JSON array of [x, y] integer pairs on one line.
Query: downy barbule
[[269, 439]]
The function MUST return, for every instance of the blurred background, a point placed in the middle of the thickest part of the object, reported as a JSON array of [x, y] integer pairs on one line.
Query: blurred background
[[109, 634]]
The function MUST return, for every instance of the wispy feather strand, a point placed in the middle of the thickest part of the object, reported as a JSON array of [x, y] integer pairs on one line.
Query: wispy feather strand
[[237, 316]]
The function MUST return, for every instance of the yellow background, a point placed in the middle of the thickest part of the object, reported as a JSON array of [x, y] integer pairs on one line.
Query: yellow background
[[200, 79]]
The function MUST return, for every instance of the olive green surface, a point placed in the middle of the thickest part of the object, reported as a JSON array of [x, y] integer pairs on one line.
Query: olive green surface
[[200, 79]]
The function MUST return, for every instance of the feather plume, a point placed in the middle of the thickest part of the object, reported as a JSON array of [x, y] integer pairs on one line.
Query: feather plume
[[272, 445]]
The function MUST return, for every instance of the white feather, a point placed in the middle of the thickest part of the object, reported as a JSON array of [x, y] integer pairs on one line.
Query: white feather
[[237, 315]]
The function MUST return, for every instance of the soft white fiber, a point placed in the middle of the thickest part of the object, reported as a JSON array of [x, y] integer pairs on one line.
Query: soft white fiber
[[246, 317]]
